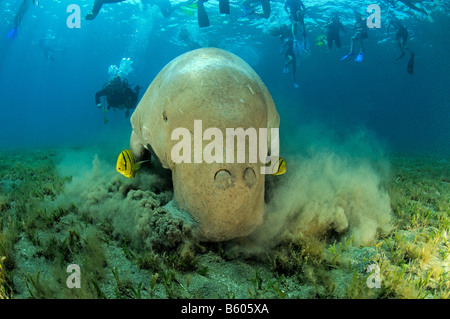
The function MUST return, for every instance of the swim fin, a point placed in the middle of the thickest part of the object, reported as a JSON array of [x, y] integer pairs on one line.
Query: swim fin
[[411, 64], [266, 8], [12, 34], [401, 56], [359, 57], [224, 6], [203, 20], [346, 56]]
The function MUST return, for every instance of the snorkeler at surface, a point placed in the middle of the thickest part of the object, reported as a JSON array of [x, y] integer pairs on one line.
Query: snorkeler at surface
[[202, 16], [97, 6], [360, 35], [334, 26], [410, 5], [401, 35], [119, 95], [19, 16], [247, 6], [413, 6], [296, 11]]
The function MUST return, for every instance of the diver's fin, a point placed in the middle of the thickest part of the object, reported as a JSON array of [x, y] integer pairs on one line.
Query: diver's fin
[[224, 6], [401, 56], [12, 34], [429, 18], [411, 64], [138, 164], [266, 8], [346, 56], [203, 20], [359, 57]]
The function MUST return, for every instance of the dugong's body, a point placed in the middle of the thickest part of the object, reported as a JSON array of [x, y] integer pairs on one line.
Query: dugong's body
[[221, 90]]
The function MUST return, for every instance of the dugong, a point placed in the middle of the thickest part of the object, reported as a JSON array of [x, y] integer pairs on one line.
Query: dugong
[[216, 87]]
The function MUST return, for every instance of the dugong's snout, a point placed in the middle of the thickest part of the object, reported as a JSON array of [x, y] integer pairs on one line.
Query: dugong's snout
[[230, 200]]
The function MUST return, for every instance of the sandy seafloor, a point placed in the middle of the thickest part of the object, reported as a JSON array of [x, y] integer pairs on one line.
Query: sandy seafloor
[[128, 246]]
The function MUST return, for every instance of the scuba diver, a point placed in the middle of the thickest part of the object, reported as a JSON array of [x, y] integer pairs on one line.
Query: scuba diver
[[12, 34], [202, 16], [334, 26], [360, 35], [288, 49], [119, 95], [247, 6], [97, 6], [401, 37], [49, 51], [296, 11]]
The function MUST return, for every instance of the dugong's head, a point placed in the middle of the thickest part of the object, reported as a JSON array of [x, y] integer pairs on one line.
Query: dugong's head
[[184, 117]]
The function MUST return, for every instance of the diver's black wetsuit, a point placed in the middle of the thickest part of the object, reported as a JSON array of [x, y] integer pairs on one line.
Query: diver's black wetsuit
[[361, 28], [401, 37], [202, 15], [296, 8], [119, 95], [402, 33], [334, 27]]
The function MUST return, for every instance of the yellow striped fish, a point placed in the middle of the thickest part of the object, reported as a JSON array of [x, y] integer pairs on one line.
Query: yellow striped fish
[[127, 165], [279, 168]]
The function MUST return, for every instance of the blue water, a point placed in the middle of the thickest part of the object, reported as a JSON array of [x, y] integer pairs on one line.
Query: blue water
[[51, 103]]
